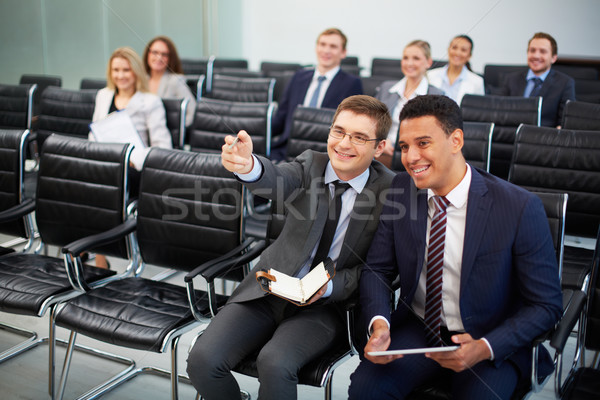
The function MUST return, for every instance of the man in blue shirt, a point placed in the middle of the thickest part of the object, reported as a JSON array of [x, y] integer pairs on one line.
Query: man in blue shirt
[[554, 87]]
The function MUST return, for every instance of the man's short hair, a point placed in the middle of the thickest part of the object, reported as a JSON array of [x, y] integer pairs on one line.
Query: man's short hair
[[444, 109], [335, 31], [544, 35], [371, 107]]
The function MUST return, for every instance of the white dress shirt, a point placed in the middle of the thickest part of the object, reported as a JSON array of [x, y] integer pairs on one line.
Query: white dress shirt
[[329, 75], [399, 89]]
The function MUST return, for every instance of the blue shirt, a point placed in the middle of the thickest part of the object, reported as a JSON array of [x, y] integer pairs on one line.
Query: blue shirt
[[531, 84]]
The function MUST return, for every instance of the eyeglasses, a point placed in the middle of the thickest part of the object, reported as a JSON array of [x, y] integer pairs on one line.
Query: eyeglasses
[[159, 53], [358, 140]]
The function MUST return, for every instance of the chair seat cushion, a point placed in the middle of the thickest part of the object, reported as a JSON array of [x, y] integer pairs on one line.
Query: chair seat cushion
[[133, 312], [311, 374], [577, 263], [28, 280], [585, 385]]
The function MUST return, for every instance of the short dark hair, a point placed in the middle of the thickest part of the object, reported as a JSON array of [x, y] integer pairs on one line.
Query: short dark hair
[[334, 31], [544, 35], [174, 65], [444, 109], [372, 108]]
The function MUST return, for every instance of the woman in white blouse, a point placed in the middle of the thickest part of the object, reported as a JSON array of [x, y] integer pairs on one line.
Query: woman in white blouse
[[416, 59], [456, 78], [163, 65]]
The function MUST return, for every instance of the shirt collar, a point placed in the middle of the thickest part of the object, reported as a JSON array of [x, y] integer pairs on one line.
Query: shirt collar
[[328, 75], [421, 90], [358, 183], [531, 75], [459, 195]]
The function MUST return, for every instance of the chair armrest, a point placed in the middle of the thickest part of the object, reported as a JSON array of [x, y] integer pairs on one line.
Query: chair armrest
[[568, 320], [77, 247], [211, 272], [226, 257], [18, 211]]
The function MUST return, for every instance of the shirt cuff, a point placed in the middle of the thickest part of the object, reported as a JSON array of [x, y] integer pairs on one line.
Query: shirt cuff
[[375, 318], [490, 347], [254, 174], [329, 289]]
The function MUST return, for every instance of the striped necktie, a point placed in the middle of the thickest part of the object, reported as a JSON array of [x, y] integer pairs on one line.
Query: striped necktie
[[435, 268]]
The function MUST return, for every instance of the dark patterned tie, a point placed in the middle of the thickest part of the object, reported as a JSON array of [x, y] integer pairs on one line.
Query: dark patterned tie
[[435, 268], [335, 208], [537, 87], [315, 97]]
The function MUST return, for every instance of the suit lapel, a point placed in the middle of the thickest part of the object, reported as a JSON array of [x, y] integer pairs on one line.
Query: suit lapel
[[478, 210], [303, 84], [331, 93], [547, 83]]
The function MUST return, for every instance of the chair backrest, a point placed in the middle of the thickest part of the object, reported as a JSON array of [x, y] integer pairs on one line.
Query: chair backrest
[[238, 72], [310, 130], [351, 69], [81, 190], [587, 90], [564, 161], [282, 78], [92, 83], [267, 67], [389, 67], [507, 113], [555, 205], [476, 149], [42, 82], [250, 90], [577, 72], [371, 84], [66, 112], [12, 163], [195, 66], [438, 64], [592, 320], [215, 119], [581, 115], [189, 209], [176, 111], [494, 75], [197, 84], [16, 106], [350, 60]]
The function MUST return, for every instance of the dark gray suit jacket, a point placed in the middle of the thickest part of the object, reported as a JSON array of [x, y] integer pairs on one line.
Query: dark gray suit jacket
[[301, 184]]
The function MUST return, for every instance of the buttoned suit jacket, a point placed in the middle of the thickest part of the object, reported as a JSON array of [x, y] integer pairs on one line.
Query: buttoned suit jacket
[[342, 85], [509, 287], [301, 184], [556, 90]]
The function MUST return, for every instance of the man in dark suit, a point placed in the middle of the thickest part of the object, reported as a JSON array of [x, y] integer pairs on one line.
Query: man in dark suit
[[541, 80], [488, 281], [288, 336], [322, 87]]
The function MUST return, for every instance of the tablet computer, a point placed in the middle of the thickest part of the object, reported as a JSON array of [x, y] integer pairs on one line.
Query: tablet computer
[[413, 351]]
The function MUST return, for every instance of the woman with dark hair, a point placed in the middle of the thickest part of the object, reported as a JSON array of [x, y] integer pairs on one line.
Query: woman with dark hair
[[456, 78], [163, 66]]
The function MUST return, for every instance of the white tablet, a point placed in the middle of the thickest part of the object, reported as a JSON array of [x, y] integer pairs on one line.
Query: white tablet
[[413, 351]]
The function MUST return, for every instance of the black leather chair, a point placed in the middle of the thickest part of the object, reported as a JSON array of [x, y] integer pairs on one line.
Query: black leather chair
[[350, 60], [563, 160], [310, 130], [195, 66], [247, 90], [215, 64], [189, 212], [351, 69], [282, 72], [82, 190], [554, 205], [582, 116], [476, 150], [390, 68], [317, 373], [66, 112], [494, 75], [12, 172], [269, 66], [238, 72], [587, 90], [371, 84], [197, 84], [577, 72], [507, 113], [42, 82], [583, 380], [438, 64], [92, 83], [215, 119], [16, 106], [176, 110]]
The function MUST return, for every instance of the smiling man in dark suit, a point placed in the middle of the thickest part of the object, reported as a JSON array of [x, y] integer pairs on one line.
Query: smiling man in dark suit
[[541, 80], [476, 266], [323, 87], [285, 335]]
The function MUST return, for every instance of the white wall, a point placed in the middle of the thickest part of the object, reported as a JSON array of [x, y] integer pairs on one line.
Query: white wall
[[287, 30]]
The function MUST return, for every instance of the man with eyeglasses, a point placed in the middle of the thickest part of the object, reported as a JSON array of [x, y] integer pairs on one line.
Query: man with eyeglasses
[[288, 336]]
